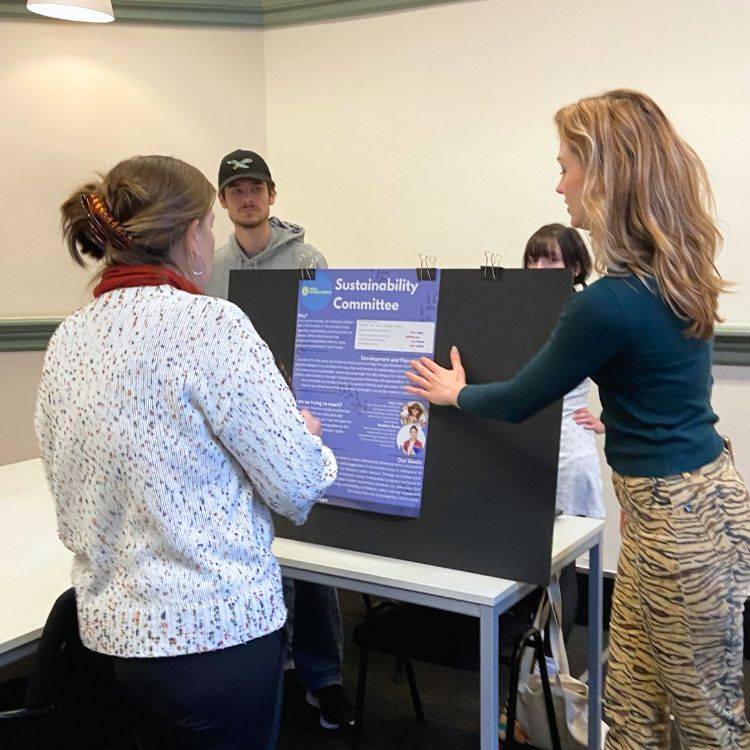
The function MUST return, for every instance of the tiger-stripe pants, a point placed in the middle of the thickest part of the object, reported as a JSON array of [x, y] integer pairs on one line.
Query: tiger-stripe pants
[[676, 627]]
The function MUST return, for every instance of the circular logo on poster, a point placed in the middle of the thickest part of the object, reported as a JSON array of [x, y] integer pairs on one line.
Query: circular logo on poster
[[316, 294]]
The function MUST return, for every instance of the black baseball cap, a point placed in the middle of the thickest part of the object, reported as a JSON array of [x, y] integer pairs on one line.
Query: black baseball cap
[[243, 164]]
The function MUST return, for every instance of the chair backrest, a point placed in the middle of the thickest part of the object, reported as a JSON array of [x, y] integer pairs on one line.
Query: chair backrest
[[69, 700], [59, 646]]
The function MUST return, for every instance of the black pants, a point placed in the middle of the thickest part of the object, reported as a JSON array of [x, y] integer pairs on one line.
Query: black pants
[[216, 700]]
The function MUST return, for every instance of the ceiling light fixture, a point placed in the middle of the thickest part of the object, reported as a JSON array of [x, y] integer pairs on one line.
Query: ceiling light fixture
[[90, 11]]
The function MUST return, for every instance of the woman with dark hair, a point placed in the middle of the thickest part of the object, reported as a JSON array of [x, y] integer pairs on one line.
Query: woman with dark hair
[[167, 434], [558, 246], [579, 476], [643, 332]]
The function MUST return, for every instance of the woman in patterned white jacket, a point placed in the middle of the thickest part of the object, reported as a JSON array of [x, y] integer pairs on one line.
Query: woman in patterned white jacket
[[167, 433]]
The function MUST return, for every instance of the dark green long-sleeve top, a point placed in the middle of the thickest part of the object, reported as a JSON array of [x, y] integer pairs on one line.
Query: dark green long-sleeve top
[[654, 382]]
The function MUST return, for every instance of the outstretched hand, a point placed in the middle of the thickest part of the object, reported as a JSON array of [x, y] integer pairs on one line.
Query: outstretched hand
[[434, 383]]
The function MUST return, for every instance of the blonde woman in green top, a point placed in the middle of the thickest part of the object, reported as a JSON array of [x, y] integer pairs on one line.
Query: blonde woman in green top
[[643, 333]]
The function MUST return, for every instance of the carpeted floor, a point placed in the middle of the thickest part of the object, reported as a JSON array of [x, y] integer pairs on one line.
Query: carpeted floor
[[450, 699]]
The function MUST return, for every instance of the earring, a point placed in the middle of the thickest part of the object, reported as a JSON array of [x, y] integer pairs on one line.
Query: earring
[[203, 267]]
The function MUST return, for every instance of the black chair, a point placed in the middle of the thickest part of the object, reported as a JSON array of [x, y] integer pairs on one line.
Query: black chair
[[412, 632], [67, 702]]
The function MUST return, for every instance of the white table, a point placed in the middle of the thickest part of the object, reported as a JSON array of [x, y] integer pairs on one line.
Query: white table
[[34, 565], [36, 569]]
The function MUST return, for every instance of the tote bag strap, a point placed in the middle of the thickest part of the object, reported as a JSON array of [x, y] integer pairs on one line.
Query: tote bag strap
[[550, 607], [557, 644], [573, 691], [540, 621]]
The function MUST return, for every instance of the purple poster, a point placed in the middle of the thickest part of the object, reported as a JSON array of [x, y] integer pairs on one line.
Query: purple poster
[[356, 333]]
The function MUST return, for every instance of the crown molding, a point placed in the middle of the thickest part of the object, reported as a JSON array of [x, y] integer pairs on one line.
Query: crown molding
[[179, 12], [248, 13], [290, 12]]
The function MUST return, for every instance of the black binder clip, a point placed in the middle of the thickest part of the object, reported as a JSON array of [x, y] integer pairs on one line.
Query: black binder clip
[[426, 270], [491, 270], [308, 274]]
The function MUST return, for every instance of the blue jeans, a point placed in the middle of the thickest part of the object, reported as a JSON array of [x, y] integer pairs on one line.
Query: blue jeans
[[314, 632]]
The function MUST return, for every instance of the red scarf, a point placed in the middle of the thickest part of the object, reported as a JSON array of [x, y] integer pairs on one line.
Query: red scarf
[[119, 277]]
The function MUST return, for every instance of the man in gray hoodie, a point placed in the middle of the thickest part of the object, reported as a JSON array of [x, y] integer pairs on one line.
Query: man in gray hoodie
[[261, 241]]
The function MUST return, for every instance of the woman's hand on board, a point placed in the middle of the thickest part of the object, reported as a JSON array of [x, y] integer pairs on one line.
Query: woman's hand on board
[[588, 421], [437, 384]]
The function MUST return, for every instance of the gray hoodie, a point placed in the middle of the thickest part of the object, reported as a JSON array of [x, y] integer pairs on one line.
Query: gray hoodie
[[286, 249]]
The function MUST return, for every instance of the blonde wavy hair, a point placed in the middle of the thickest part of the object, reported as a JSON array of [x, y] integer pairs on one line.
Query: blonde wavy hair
[[648, 202]]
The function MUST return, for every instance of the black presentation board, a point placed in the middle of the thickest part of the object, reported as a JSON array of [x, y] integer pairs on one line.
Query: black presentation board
[[488, 496]]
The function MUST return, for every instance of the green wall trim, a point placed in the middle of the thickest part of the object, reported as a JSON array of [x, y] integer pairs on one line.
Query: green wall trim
[[731, 346], [26, 334], [250, 13], [190, 12], [291, 12], [181, 12]]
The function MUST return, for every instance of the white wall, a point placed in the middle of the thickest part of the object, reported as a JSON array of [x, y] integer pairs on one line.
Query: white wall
[[432, 129], [388, 135], [731, 402], [78, 98], [19, 378]]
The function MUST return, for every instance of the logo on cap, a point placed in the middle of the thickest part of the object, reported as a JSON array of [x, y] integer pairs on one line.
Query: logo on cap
[[244, 164]]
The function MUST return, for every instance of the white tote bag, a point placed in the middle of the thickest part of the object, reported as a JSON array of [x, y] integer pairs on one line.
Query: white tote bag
[[569, 695]]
